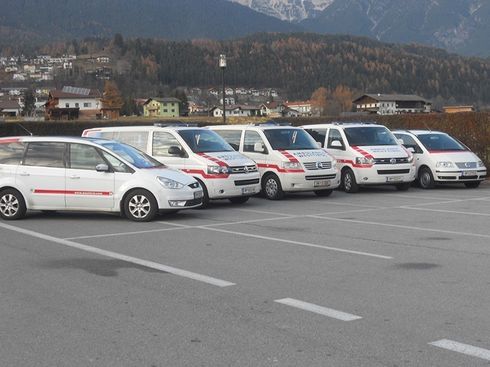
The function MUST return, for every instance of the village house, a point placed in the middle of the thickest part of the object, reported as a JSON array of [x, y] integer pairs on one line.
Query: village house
[[10, 108], [272, 109], [161, 107], [303, 108], [236, 111], [73, 103], [392, 104]]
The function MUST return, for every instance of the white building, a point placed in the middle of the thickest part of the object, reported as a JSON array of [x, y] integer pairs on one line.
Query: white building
[[392, 104]]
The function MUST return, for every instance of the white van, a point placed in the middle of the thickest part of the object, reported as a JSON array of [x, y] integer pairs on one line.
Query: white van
[[76, 174], [368, 154], [288, 158], [439, 158], [222, 172]]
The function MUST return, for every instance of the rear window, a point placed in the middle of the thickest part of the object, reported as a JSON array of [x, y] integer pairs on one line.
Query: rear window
[[11, 152]]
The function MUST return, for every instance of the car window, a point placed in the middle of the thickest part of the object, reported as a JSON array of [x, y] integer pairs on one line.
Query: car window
[[45, 154], [334, 135], [163, 140], [204, 141], [132, 155], [409, 142], [318, 135], [84, 157], [11, 152], [250, 139], [293, 139], [369, 136], [116, 164], [232, 137], [441, 142], [137, 139]]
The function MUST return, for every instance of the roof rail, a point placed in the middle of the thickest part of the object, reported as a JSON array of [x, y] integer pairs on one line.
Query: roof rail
[[271, 123], [175, 124], [354, 122]]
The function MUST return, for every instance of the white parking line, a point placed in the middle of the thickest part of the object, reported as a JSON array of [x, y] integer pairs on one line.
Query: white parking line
[[275, 239], [124, 233], [263, 212], [324, 311], [446, 211], [462, 348], [115, 255]]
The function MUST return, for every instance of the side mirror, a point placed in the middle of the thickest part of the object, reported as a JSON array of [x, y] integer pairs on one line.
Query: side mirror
[[259, 147], [411, 149], [400, 141], [336, 144], [175, 150], [102, 167]]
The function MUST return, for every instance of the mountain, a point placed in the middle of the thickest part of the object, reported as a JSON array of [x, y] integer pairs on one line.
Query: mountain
[[170, 19], [290, 10]]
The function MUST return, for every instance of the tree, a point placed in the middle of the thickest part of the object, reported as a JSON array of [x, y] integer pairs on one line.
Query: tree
[[179, 93], [319, 101], [112, 100], [29, 103]]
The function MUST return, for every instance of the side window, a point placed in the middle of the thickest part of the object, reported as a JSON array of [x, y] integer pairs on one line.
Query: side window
[[117, 165], [45, 154], [409, 142], [161, 142], [11, 153], [251, 138], [334, 135], [232, 137], [84, 157], [138, 139], [318, 134]]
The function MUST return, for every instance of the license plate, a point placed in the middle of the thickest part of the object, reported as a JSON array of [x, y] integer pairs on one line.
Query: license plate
[[198, 194], [248, 190], [394, 179], [321, 183], [469, 173]]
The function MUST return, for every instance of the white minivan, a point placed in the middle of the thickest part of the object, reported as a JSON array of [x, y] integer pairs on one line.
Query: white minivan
[[288, 158], [78, 174], [367, 153], [440, 158], [222, 172]]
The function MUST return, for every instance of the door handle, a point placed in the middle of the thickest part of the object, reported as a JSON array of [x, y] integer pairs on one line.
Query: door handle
[[75, 177], [24, 174]]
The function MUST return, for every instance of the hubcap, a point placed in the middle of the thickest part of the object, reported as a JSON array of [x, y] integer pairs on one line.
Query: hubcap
[[347, 182], [9, 205], [139, 206], [271, 187], [425, 179]]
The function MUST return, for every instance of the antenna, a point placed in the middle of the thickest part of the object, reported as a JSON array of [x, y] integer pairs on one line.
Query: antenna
[[23, 128]]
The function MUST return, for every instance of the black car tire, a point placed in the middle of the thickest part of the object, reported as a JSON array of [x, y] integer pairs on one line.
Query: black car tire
[[271, 186], [140, 205], [349, 181]]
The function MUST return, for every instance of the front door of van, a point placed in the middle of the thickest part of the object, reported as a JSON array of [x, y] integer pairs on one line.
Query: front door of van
[[86, 188]]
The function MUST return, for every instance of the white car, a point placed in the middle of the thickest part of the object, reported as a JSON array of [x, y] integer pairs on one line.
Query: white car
[[288, 158], [222, 172], [80, 174], [367, 153], [439, 158]]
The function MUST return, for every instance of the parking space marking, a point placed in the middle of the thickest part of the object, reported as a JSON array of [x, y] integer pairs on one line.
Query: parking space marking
[[124, 233], [115, 255], [446, 211], [462, 348], [320, 310], [306, 244], [263, 212], [400, 226]]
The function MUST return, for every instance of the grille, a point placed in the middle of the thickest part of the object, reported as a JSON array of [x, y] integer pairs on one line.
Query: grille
[[193, 202], [392, 171], [313, 166], [388, 160], [321, 177], [246, 182], [194, 185], [243, 169], [464, 165]]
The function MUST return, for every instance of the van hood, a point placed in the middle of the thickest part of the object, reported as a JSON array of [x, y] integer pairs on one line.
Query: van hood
[[308, 155], [380, 151], [230, 159]]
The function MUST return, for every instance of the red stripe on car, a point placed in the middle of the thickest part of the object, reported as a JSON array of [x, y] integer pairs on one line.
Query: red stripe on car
[[279, 169], [204, 174]]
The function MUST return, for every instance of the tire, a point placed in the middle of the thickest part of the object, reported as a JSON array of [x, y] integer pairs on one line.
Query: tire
[[239, 199], [205, 195], [12, 205], [323, 193], [140, 206], [426, 178], [472, 185], [271, 186], [403, 186], [349, 181]]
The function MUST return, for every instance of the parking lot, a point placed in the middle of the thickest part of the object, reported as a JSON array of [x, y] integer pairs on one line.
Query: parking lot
[[378, 278]]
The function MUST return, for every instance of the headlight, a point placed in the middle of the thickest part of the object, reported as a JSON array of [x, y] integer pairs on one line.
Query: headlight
[[170, 184], [444, 165], [364, 160], [291, 165], [480, 164], [217, 170]]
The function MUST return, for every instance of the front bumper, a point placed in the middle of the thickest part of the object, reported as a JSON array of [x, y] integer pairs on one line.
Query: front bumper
[[180, 199], [234, 186], [460, 175], [308, 181], [385, 174]]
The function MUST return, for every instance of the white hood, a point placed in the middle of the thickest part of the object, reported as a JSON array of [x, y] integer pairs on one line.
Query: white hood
[[169, 173], [231, 158], [454, 156], [310, 155], [384, 151]]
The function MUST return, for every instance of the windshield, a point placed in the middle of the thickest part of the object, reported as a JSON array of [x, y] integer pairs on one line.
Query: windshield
[[204, 141], [290, 139], [369, 136], [440, 142], [132, 155]]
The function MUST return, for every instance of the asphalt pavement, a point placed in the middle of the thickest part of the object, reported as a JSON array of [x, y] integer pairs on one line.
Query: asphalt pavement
[[377, 278]]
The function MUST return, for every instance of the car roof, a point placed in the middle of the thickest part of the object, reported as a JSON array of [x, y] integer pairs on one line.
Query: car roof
[[144, 128], [419, 132], [258, 127], [343, 124], [55, 139]]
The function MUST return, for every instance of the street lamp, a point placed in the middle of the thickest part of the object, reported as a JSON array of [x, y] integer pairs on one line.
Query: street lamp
[[222, 65]]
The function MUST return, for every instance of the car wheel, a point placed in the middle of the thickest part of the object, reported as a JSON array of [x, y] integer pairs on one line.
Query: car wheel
[[472, 185], [12, 205], [403, 186], [239, 199], [426, 179], [205, 195], [323, 193], [271, 186], [140, 206], [349, 181]]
